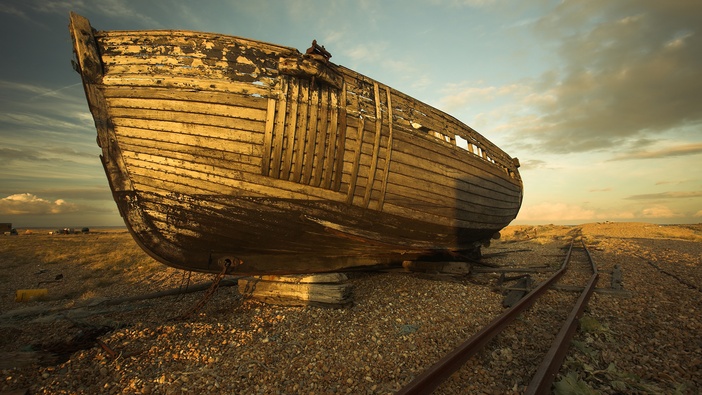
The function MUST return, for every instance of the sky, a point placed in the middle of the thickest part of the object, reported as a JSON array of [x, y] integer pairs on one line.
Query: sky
[[600, 100]]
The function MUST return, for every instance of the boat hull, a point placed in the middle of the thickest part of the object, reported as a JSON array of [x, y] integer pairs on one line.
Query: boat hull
[[231, 154]]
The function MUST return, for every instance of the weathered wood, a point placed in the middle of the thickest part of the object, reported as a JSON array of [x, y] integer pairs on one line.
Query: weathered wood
[[515, 295], [388, 152], [268, 137], [308, 68], [617, 278], [448, 267], [327, 290], [217, 149], [356, 163], [330, 159], [86, 49], [376, 146]]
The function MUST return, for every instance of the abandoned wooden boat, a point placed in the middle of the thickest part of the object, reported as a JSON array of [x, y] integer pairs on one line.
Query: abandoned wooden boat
[[225, 153]]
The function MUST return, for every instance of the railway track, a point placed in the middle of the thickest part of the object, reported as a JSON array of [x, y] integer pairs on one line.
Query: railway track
[[577, 270]]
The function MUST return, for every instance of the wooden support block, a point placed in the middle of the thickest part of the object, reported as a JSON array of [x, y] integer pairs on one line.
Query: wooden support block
[[437, 267], [327, 289], [617, 278], [514, 296]]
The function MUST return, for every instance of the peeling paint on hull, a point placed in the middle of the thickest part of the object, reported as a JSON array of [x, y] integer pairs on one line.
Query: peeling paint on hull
[[222, 148]]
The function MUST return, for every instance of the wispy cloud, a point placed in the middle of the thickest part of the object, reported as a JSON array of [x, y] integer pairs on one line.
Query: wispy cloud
[[679, 150], [666, 195]]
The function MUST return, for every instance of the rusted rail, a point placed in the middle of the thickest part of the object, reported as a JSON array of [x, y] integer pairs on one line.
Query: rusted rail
[[431, 378]]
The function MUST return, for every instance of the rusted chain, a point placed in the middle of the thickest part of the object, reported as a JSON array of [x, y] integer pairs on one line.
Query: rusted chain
[[207, 296]]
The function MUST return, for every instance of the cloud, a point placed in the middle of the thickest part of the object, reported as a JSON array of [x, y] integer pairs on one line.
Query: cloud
[[28, 204], [659, 211], [555, 212], [629, 69], [679, 150], [666, 195], [698, 214], [465, 94], [533, 164], [112, 8]]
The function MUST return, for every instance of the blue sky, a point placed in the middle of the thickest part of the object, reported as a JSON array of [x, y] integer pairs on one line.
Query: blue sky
[[600, 100]]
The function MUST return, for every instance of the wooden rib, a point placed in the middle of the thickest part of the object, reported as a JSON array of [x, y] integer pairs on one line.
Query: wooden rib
[[278, 129], [388, 153], [331, 145], [341, 141], [290, 129], [321, 134], [301, 133], [356, 162], [376, 145], [313, 136], [268, 137]]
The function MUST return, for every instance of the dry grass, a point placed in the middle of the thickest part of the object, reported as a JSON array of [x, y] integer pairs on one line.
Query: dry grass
[[98, 264]]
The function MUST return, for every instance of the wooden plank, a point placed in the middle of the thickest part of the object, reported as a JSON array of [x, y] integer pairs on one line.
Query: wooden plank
[[317, 278], [341, 141], [388, 153], [194, 180], [328, 170], [302, 131], [376, 145], [290, 130], [356, 161], [410, 155], [268, 137], [170, 168], [403, 187], [279, 130], [430, 218], [85, 48], [195, 108], [214, 97], [182, 37], [168, 81], [223, 159], [237, 127], [313, 136], [322, 132], [197, 145], [297, 294], [187, 131], [454, 268]]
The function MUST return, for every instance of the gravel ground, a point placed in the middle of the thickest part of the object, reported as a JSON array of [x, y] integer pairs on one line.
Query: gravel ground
[[645, 341]]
